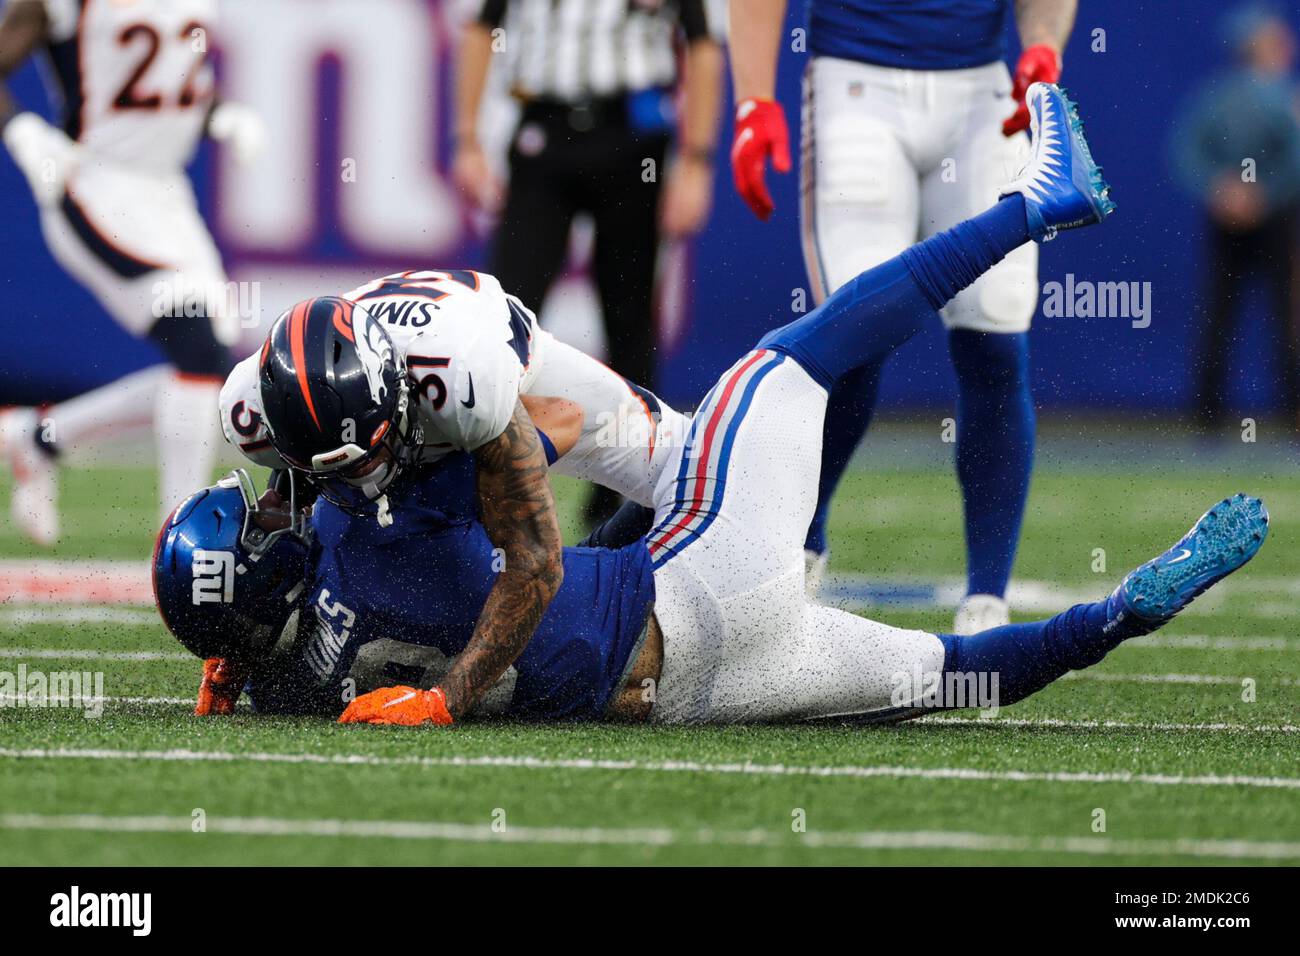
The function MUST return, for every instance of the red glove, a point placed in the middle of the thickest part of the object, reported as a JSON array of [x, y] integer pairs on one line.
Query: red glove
[[760, 133], [1038, 64], [220, 688], [399, 705]]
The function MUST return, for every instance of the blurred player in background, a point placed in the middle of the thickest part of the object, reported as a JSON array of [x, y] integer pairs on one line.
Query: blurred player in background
[[119, 214], [597, 80], [910, 123], [1250, 112]]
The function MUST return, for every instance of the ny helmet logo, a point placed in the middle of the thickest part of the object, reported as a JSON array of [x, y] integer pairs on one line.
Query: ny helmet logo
[[213, 575]]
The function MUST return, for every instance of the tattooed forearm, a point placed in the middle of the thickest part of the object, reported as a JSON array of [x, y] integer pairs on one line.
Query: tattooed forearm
[[1045, 21], [519, 515]]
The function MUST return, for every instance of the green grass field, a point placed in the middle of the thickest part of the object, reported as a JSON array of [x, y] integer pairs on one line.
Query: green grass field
[[1158, 738]]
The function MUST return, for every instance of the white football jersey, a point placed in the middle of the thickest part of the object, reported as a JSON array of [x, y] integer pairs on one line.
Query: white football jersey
[[470, 351], [134, 74]]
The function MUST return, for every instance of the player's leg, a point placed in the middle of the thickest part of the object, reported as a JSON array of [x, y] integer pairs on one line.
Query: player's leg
[[1028, 657], [1229, 266], [194, 319], [988, 336], [33, 441], [731, 518], [141, 247], [838, 664], [532, 239], [859, 208], [626, 211], [861, 323], [628, 434]]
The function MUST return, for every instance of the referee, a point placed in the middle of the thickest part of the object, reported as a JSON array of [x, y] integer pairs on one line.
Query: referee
[[598, 82]]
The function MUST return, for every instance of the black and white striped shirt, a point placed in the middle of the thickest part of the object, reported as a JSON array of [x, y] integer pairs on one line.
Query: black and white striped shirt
[[572, 50]]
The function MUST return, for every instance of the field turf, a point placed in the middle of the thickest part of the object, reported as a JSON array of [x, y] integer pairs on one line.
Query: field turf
[[1185, 748]]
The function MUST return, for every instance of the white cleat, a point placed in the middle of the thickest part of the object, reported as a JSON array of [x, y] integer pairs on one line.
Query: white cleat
[[814, 572], [979, 612], [34, 500]]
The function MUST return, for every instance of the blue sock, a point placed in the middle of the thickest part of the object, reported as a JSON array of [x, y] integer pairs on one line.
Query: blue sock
[[873, 314], [848, 415], [995, 450], [1028, 657]]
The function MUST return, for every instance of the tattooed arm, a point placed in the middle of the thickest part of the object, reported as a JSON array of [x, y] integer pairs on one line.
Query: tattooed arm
[[519, 515]]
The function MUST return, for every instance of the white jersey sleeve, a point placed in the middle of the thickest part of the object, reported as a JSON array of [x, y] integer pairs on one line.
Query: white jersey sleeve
[[470, 349], [241, 415], [468, 397]]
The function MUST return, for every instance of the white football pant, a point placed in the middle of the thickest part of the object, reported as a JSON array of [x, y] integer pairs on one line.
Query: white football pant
[[741, 640], [893, 156]]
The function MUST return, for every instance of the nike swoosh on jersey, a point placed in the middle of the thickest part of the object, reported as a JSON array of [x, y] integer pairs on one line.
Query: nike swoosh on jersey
[[470, 403]]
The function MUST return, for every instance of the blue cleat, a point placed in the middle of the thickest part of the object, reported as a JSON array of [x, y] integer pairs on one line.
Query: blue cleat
[[1226, 537], [1062, 186]]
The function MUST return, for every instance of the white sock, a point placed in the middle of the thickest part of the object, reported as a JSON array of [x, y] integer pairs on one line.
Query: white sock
[[101, 415], [185, 424]]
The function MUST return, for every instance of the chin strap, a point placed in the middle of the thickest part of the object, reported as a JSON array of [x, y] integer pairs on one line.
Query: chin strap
[[384, 516]]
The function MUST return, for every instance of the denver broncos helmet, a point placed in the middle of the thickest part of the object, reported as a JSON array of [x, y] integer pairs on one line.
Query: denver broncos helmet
[[225, 583], [336, 403]]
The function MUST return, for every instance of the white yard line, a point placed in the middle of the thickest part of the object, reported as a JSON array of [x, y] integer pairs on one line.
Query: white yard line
[[1206, 642], [1048, 722], [1224, 680], [9, 700], [660, 836], [92, 614], [666, 766], [26, 701], [89, 654]]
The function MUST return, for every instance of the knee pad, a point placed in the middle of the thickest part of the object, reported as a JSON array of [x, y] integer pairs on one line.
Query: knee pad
[[989, 359], [190, 344], [1003, 300]]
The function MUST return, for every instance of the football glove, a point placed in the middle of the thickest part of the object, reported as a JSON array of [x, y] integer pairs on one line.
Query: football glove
[[241, 128], [1038, 64], [46, 155], [760, 133], [402, 705], [220, 688]]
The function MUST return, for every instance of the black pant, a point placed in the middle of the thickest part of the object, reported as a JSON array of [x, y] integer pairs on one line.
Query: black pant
[[564, 162], [1271, 250]]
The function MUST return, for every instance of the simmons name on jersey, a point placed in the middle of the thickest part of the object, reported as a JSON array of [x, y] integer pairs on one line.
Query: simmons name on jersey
[[469, 350]]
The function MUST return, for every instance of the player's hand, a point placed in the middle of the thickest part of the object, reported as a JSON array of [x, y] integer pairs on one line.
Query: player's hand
[[220, 688], [1038, 64], [241, 128], [473, 176], [46, 155], [399, 705], [760, 132], [686, 199]]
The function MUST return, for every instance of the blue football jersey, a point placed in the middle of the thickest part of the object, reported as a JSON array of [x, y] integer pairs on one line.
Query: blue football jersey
[[912, 34], [391, 605]]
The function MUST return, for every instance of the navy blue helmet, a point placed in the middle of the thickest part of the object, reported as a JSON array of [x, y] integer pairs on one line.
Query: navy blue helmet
[[224, 584], [336, 403]]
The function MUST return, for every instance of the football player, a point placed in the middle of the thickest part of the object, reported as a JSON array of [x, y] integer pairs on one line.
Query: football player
[[706, 619], [911, 124], [119, 214], [363, 393]]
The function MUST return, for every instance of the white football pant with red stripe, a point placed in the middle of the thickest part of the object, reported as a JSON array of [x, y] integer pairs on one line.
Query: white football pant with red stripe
[[741, 640]]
